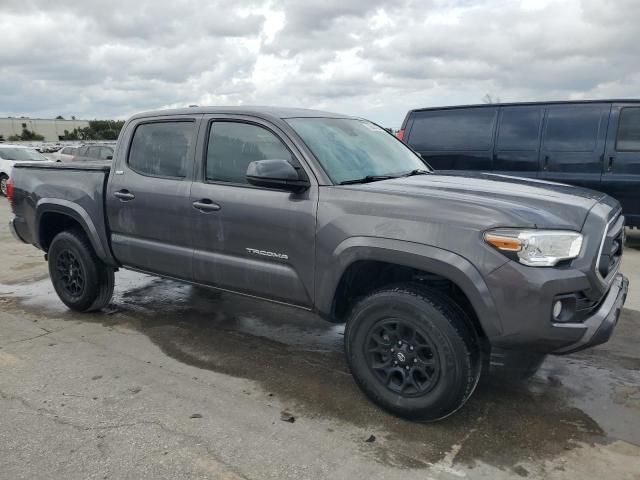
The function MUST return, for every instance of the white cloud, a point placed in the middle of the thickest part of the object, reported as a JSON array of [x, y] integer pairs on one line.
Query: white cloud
[[364, 57]]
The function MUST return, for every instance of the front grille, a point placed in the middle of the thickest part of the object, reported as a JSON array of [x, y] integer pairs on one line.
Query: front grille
[[611, 248]]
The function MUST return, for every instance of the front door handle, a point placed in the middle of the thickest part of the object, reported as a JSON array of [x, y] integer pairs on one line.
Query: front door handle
[[545, 165], [206, 205], [124, 195]]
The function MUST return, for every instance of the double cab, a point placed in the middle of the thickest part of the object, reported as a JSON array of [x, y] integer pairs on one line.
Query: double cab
[[436, 275]]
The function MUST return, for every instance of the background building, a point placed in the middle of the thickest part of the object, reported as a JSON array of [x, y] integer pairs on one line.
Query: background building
[[52, 130]]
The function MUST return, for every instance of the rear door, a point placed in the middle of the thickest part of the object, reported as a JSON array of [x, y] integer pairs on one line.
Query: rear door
[[455, 138], [517, 143], [621, 177], [573, 143], [253, 240], [148, 203]]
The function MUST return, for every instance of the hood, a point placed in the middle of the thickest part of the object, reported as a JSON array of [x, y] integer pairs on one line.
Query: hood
[[536, 203]]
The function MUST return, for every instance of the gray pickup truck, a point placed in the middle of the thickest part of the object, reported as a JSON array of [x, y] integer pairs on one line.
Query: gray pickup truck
[[436, 276]]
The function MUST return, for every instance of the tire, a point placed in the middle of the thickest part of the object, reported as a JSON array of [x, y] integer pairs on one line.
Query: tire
[[440, 362], [81, 280], [3, 185]]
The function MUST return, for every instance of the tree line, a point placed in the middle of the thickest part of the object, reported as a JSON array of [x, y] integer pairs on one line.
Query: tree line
[[97, 130]]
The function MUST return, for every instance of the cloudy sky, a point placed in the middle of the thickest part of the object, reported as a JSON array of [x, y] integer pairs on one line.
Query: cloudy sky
[[373, 58]]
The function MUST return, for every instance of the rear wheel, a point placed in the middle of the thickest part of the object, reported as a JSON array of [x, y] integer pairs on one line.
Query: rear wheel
[[413, 352], [81, 280], [3, 184]]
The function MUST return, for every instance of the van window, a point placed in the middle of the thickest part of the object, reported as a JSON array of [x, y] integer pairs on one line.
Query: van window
[[629, 130], [234, 145], [453, 129], [105, 153], [572, 128], [519, 128], [93, 152], [161, 149]]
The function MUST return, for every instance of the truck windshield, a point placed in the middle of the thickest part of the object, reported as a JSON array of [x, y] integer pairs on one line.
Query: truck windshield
[[350, 150], [21, 154]]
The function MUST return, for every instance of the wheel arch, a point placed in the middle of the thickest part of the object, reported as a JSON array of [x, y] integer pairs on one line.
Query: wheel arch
[[56, 215], [417, 258]]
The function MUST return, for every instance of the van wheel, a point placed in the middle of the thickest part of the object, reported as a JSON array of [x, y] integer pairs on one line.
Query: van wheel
[[81, 280], [413, 352], [3, 184]]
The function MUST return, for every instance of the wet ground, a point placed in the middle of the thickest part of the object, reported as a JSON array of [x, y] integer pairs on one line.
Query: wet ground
[[112, 395]]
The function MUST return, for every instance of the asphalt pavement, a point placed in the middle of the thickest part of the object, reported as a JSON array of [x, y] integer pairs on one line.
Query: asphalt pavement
[[174, 381]]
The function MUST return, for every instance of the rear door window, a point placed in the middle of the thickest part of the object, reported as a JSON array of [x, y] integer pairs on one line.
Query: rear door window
[[453, 129], [519, 128], [628, 139], [572, 128], [161, 149]]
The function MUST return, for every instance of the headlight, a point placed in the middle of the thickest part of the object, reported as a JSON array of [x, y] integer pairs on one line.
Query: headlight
[[536, 248]]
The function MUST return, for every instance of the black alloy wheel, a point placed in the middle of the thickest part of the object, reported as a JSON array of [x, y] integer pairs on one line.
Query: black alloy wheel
[[402, 357]]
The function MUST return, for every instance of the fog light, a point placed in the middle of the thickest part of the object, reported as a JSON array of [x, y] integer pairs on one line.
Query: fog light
[[557, 309]]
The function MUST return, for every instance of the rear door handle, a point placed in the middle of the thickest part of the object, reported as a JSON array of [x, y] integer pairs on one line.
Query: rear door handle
[[206, 205], [124, 195]]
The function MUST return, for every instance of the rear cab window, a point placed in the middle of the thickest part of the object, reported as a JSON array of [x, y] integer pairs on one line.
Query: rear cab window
[[161, 148]]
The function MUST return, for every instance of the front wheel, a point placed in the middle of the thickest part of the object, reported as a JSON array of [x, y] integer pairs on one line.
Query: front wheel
[[413, 352], [81, 280]]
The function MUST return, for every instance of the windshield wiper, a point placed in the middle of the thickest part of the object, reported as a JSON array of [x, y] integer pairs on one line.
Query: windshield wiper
[[417, 171], [368, 179]]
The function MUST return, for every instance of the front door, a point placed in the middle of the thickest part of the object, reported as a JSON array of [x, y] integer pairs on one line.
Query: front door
[[148, 202], [621, 176], [247, 239], [573, 143]]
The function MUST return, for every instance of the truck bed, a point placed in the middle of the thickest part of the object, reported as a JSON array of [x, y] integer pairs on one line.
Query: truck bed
[[45, 189]]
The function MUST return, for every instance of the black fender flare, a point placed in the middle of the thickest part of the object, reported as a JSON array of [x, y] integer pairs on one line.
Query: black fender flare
[[410, 254], [80, 215]]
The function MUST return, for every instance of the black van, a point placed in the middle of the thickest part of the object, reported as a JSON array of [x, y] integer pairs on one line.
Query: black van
[[595, 144]]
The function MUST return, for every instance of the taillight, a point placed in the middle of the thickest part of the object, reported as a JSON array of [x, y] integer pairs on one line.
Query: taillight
[[400, 134], [10, 192]]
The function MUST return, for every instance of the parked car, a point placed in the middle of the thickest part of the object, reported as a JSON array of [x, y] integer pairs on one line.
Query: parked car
[[436, 275], [594, 144], [65, 154], [10, 155], [92, 153]]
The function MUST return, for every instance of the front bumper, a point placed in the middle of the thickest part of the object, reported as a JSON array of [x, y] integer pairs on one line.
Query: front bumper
[[600, 325], [14, 232]]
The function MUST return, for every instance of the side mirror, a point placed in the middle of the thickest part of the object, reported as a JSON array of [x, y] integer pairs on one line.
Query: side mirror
[[109, 157], [279, 174]]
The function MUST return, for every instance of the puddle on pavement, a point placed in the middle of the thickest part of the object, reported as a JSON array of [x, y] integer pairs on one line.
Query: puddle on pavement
[[298, 357]]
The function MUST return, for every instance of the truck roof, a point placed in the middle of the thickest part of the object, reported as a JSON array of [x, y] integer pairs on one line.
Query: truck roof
[[254, 111], [514, 104]]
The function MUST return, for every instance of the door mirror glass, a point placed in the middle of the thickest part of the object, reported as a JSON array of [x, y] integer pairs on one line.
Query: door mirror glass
[[276, 173]]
